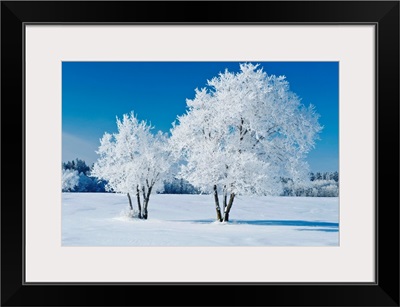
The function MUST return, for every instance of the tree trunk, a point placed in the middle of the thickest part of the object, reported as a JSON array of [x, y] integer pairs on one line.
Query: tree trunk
[[225, 197], [138, 202], [144, 213], [228, 208], [146, 202], [130, 201], [219, 217]]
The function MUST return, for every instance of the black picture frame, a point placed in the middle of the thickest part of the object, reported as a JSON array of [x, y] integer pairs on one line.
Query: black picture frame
[[383, 14]]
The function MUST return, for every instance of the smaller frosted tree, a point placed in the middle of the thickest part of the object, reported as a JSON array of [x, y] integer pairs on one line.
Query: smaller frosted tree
[[133, 161], [69, 180]]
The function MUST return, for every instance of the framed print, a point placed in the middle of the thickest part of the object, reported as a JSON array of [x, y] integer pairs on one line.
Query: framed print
[[241, 146]]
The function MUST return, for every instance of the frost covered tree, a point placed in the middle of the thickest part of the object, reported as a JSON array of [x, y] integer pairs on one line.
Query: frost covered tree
[[86, 182], [78, 165], [241, 134], [327, 186], [69, 180], [133, 161]]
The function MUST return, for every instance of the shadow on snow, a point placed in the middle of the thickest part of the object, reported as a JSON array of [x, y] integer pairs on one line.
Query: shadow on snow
[[320, 229], [330, 227]]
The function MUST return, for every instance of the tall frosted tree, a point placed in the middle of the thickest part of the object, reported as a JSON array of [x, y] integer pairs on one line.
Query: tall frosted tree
[[241, 134], [133, 161]]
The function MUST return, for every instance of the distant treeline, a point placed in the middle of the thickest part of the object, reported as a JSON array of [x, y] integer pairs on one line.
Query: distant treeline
[[321, 184], [80, 175]]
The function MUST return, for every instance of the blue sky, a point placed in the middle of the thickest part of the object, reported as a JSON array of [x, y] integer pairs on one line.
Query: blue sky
[[94, 93]]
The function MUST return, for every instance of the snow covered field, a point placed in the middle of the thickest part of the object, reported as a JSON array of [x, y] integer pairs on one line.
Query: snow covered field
[[99, 219]]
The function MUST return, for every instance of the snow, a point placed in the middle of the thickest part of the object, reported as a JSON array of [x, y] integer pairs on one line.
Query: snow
[[102, 219]]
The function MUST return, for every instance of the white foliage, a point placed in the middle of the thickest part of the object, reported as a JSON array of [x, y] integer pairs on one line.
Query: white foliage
[[245, 131], [69, 180], [316, 188], [326, 188], [132, 157]]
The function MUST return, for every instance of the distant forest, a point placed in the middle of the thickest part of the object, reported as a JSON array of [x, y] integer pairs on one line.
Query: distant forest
[[321, 184]]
